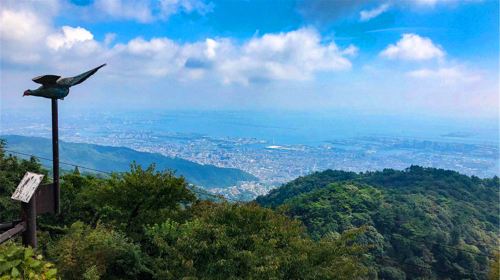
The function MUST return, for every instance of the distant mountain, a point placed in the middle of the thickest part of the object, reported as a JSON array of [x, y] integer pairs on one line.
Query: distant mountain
[[423, 223], [118, 159]]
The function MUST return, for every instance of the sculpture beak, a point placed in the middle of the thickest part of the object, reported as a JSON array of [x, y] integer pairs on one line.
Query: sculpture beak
[[26, 93]]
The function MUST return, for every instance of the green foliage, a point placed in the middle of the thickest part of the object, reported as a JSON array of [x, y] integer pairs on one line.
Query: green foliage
[[426, 223], [321, 216], [140, 197], [248, 242], [494, 273], [96, 253], [127, 201], [78, 203], [17, 262], [303, 184]]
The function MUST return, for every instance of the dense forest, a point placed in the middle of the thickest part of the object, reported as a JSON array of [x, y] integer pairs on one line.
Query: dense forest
[[147, 224], [422, 223]]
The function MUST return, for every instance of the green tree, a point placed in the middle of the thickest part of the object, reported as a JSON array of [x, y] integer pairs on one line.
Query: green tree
[[248, 242], [127, 201], [140, 197], [424, 222], [96, 253]]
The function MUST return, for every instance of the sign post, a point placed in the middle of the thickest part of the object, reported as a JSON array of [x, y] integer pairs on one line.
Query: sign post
[[29, 217], [24, 193]]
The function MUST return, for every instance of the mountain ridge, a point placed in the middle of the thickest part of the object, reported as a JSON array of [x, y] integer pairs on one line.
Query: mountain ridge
[[441, 222], [111, 159]]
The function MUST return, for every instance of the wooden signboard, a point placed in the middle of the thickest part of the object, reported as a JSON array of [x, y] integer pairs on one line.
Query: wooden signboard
[[44, 199], [27, 187]]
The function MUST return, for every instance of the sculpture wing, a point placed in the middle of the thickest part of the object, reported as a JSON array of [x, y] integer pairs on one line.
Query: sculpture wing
[[71, 81], [46, 79]]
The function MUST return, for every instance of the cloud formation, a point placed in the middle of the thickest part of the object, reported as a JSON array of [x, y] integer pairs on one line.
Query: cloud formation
[[413, 47], [366, 15], [208, 72], [20, 30], [68, 37], [327, 11], [450, 75], [296, 55], [119, 9], [324, 11], [432, 3], [145, 11]]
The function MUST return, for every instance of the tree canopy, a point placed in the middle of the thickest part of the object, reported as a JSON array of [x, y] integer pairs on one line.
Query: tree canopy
[[426, 222]]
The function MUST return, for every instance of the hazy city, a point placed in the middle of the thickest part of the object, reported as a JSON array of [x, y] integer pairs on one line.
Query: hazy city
[[272, 161]]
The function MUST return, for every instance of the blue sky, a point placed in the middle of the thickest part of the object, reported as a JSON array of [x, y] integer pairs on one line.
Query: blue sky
[[428, 57]]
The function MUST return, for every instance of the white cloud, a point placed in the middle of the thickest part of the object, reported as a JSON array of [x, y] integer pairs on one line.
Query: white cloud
[[21, 32], [413, 47], [69, 37], [109, 38], [170, 7], [432, 3], [153, 47], [295, 55], [120, 9], [144, 11], [366, 15], [210, 51], [157, 57], [427, 2], [20, 26], [30, 38], [351, 50], [447, 75]]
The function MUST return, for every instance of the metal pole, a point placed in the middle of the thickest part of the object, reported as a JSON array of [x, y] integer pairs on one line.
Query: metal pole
[[55, 155], [29, 218]]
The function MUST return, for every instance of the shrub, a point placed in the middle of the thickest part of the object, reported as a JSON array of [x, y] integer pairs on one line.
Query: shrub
[[96, 252], [17, 262]]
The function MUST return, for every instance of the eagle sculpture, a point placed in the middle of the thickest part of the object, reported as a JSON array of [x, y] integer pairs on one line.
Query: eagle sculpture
[[55, 87]]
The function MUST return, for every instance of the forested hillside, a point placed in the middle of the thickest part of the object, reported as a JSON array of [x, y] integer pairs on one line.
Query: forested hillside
[[423, 223], [420, 223], [147, 224], [118, 159]]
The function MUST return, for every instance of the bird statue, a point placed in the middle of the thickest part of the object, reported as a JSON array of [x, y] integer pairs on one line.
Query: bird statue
[[55, 87]]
